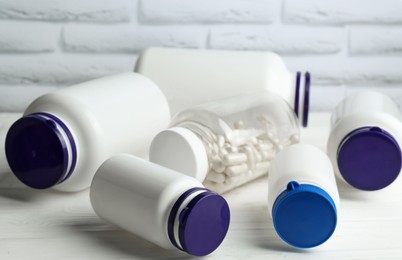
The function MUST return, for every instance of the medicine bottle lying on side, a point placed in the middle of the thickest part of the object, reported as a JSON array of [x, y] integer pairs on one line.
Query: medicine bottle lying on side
[[6, 121], [303, 198], [64, 136], [228, 142], [365, 140], [190, 77], [160, 205]]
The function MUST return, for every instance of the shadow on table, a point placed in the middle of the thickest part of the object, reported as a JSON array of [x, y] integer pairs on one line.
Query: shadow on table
[[26, 195], [121, 241]]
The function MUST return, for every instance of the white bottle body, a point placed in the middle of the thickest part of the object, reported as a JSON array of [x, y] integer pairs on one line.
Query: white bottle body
[[138, 196], [363, 109], [304, 164], [192, 77], [115, 114]]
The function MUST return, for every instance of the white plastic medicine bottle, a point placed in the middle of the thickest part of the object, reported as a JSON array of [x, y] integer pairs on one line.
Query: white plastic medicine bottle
[[190, 77], [160, 205], [64, 136], [227, 142], [303, 198], [365, 140]]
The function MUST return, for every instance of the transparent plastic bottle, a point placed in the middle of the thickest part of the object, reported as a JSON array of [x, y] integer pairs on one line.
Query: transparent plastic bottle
[[303, 198], [227, 142], [365, 140], [64, 136], [190, 77], [160, 205]]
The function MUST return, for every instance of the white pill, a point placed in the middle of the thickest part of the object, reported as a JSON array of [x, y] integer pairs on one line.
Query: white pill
[[236, 170], [251, 160], [265, 146], [221, 141], [279, 147], [217, 165], [295, 138], [254, 140], [267, 155], [216, 177], [234, 158], [239, 124]]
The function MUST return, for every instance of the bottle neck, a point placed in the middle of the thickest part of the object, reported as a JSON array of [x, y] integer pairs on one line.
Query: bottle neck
[[198, 221], [302, 97], [176, 212], [70, 148]]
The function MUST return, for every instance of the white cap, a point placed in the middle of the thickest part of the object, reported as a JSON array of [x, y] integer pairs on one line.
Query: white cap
[[181, 150]]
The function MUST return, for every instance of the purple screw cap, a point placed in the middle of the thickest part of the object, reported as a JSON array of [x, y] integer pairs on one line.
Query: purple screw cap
[[369, 158], [203, 223], [40, 150]]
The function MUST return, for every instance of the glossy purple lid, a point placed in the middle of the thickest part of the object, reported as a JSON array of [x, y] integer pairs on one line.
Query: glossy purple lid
[[306, 102], [203, 223], [369, 158], [38, 152]]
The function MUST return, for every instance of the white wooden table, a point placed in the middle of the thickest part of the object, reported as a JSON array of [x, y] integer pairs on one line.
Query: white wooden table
[[53, 225]]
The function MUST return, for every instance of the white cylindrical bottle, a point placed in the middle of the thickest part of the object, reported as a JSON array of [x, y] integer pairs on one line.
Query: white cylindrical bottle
[[365, 139], [6, 121], [303, 198], [160, 205], [227, 142], [191, 77], [66, 135]]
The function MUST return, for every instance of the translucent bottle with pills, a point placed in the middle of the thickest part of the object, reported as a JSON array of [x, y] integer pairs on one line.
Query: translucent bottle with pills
[[64, 136], [228, 142], [160, 205], [190, 77], [303, 198], [365, 140]]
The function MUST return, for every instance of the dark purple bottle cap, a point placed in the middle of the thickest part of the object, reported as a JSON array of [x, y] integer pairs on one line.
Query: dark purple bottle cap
[[40, 150], [302, 115], [369, 158], [202, 223]]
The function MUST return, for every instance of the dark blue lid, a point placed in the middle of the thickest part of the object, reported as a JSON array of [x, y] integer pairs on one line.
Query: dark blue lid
[[306, 101], [203, 223], [369, 158], [304, 215], [306, 98], [37, 150]]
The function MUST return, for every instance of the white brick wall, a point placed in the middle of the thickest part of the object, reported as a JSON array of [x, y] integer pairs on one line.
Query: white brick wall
[[348, 45]]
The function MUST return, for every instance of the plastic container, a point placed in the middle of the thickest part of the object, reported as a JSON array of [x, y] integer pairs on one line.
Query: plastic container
[[365, 139], [160, 205], [6, 120], [303, 197], [191, 77], [228, 142], [64, 136]]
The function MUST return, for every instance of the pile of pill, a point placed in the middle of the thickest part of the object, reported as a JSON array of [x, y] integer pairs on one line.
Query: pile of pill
[[242, 156]]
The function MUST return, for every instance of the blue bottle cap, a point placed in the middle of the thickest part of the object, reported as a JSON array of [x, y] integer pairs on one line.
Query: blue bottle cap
[[203, 222], [40, 150], [369, 158], [304, 215]]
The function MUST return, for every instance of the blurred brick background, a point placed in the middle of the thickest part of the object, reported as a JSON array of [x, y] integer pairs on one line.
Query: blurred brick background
[[346, 44]]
